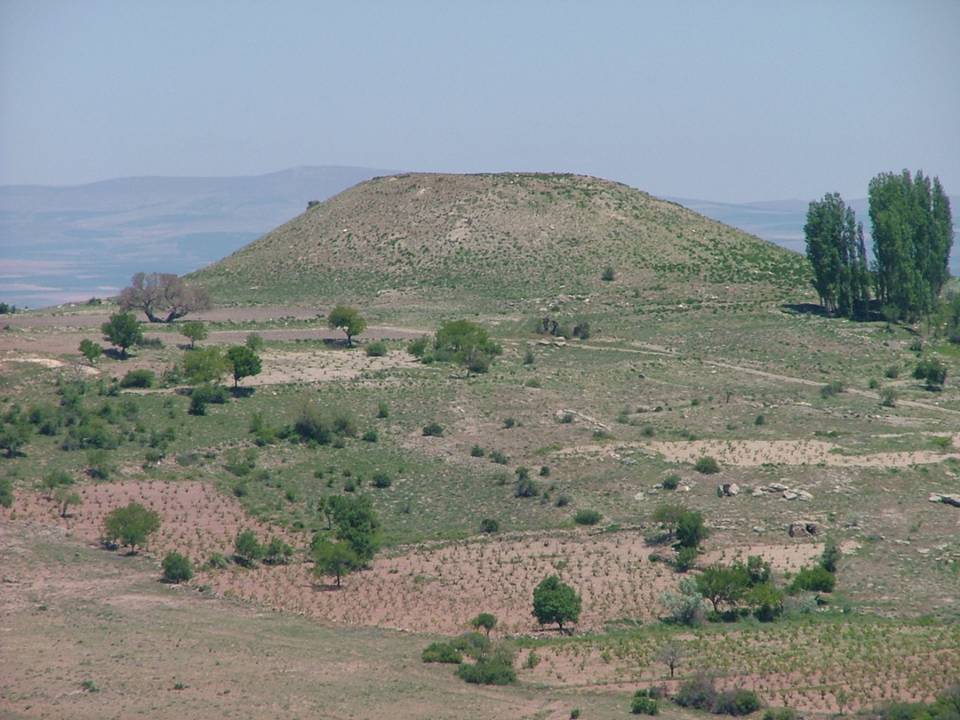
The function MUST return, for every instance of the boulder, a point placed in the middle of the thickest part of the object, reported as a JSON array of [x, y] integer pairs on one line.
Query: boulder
[[803, 528]]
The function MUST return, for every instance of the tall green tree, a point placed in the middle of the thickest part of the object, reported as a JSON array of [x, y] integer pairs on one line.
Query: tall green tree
[[243, 362], [122, 330], [131, 525], [912, 237], [347, 319], [836, 251], [555, 602]]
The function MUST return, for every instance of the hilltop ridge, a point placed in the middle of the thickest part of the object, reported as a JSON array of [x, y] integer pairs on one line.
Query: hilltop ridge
[[509, 235]]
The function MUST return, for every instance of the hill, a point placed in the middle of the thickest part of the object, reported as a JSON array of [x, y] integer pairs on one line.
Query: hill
[[72, 242], [506, 236]]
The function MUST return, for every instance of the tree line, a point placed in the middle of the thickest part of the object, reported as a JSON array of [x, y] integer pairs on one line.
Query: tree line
[[912, 237]]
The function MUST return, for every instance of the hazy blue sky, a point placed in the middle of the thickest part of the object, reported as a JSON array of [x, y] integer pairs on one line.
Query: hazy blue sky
[[724, 100]]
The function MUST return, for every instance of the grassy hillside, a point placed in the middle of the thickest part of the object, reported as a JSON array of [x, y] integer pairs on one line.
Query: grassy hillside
[[505, 236]]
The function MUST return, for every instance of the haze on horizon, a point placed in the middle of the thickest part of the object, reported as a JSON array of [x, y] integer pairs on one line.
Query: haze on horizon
[[735, 102]]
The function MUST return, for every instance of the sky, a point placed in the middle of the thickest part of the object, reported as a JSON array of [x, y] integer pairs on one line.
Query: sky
[[729, 101]]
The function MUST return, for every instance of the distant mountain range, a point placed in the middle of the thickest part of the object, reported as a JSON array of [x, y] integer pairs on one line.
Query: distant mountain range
[[60, 244]]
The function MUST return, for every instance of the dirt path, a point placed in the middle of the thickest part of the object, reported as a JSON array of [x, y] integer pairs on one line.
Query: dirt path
[[647, 349]]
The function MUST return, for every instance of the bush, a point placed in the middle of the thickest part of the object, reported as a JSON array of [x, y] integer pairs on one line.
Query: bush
[[381, 480], [371, 436], [525, 488], [608, 274], [686, 559], [477, 451], [418, 347], [892, 372], [217, 561], [247, 548], [489, 525], [932, 371], [99, 464], [6, 492], [562, 500], [587, 517], [377, 348], [780, 714], [176, 568], [707, 465], [441, 652], [509, 423], [498, 457], [671, 482], [433, 430], [815, 579], [697, 692], [834, 387], [383, 410], [494, 668], [277, 552], [323, 426], [888, 397], [643, 704], [736, 702]]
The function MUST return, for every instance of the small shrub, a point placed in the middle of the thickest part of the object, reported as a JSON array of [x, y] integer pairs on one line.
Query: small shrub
[[707, 465], [383, 410], [587, 517], [477, 451], [736, 702], [441, 652], [873, 384], [562, 500], [892, 372], [495, 668], [498, 457], [89, 686], [176, 568], [433, 430], [217, 561], [834, 387], [566, 418], [888, 397], [526, 488], [544, 471], [814, 579], [759, 420], [509, 423], [138, 379], [643, 704], [489, 526], [371, 436], [686, 559], [381, 480], [608, 274], [671, 482], [377, 348]]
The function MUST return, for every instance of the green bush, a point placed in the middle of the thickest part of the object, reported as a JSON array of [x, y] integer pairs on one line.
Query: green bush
[[671, 482], [441, 652], [525, 488], [707, 465], [377, 348], [686, 559], [643, 704], [371, 436], [813, 579], [433, 430], [217, 561], [494, 668], [176, 568], [477, 451], [489, 525], [736, 702], [834, 387], [381, 480], [138, 379], [587, 517]]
